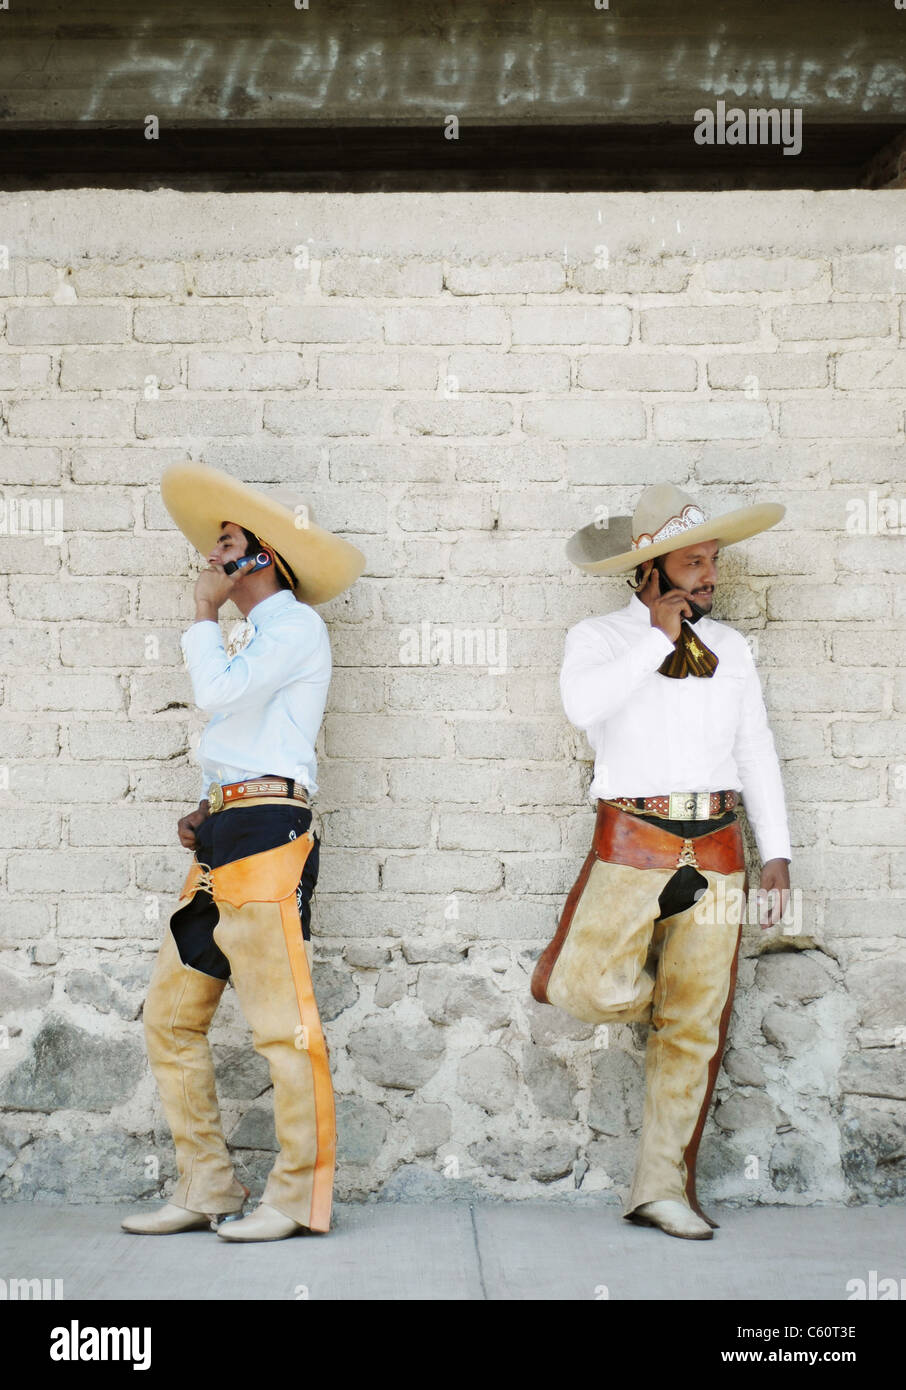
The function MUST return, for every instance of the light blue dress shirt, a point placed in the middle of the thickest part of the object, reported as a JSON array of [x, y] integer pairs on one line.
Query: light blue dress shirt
[[267, 702]]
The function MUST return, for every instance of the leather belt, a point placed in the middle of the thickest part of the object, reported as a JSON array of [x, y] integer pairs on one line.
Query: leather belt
[[224, 794], [679, 805], [622, 838]]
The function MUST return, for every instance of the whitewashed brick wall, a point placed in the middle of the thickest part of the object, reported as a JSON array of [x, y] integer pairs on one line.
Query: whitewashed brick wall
[[458, 381]]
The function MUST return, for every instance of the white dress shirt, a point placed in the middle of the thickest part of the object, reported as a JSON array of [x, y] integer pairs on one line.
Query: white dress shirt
[[653, 734], [267, 701]]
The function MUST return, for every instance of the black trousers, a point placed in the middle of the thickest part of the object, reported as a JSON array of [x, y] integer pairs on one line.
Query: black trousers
[[234, 834]]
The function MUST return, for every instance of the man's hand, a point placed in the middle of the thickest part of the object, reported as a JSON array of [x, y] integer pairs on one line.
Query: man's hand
[[212, 589], [666, 610], [186, 827], [775, 874]]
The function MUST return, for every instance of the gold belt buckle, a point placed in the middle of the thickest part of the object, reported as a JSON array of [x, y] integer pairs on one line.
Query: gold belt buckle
[[215, 796], [689, 806]]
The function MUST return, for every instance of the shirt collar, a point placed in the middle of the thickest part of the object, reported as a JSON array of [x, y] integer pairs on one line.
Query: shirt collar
[[638, 610], [270, 607]]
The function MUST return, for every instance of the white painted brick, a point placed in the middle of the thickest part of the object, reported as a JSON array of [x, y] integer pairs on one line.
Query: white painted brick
[[71, 419], [875, 826], [844, 319], [29, 827], [871, 371], [506, 277], [546, 325], [865, 554], [29, 279], [454, 417], [392, 829], [444, 687], [773, 371], [27, 646], [63, 783], [409, 601], [771, 274], [448, 872], [246, 371], [849, 462], [870, 646], [456, 323], [850, 690], [29, 739], [835, 419], [65, 690], [354, 461], [322, 323], [190, 323], [66, 323], [488, 462], [438, 510], [580, 419], [527, 740], [123, 555], [506, 371], [712, 420], [641, 463], [154, 692], [132, 279], [827, 603], [377, 277], [23, 371], [872, 272], [413, 782], [838, 782], [117, 646], [31, 921], [533, 555], [241, 275], [98, 509], [387, 736], [127, 465], [19, 463], [267, 461], [120, 826], [799, 737], [377, 371], [67, 871], [70, 599], [185, 416], [666, 275], [687, 324], [641, 371], [319, 417], [21, 555], [122, 369], [520, 831]]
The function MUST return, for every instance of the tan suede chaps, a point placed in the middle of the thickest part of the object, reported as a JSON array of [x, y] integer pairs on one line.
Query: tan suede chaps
[[258, 931], [615, 959]]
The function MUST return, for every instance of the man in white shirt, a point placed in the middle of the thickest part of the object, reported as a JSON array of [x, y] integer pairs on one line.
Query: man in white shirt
[[244, 911], [671, 703]]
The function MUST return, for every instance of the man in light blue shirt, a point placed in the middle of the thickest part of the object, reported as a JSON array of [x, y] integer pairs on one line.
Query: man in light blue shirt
[[244, 909]]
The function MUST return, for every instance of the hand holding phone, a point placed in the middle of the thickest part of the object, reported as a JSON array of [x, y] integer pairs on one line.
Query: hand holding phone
[[666, 584], [248, 563], [668, 609]]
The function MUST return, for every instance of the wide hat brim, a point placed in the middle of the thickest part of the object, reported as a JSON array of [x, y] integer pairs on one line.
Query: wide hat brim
[[609, 550], [200, 499]]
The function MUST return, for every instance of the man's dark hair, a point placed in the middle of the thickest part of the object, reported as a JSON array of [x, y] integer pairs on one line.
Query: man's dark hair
[[255, 544]]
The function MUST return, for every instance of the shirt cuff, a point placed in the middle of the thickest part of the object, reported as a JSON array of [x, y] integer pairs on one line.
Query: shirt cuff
[[773, 844]]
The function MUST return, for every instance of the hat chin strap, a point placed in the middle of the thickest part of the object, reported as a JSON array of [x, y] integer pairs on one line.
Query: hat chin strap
[[279, 564]]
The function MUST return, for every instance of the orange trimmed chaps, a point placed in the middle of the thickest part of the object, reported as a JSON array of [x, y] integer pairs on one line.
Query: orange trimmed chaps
[[258, 930]]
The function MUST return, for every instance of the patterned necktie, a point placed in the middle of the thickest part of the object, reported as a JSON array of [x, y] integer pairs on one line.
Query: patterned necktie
[[690, 657]]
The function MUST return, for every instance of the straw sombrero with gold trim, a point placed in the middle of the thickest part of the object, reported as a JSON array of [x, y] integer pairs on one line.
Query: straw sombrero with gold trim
[[665, 519], [200, 499]]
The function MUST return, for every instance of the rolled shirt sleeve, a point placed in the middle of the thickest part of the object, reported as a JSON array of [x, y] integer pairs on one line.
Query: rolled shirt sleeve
[[759, 771]]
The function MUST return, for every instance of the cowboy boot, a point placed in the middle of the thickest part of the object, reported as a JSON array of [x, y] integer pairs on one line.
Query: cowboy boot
[[178, 1010]]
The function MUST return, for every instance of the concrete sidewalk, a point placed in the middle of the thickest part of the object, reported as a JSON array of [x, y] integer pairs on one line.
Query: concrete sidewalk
[[510, 1251]]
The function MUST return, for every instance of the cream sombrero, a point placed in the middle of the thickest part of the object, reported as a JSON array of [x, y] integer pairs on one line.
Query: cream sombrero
[[665, 519], [200, 499]]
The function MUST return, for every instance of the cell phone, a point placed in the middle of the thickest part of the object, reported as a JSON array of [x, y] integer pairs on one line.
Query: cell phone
[[667, 583], [250, 563]]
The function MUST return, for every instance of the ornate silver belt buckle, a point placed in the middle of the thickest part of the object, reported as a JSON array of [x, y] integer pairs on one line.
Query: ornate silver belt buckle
[[689, 806], [215, 796]]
